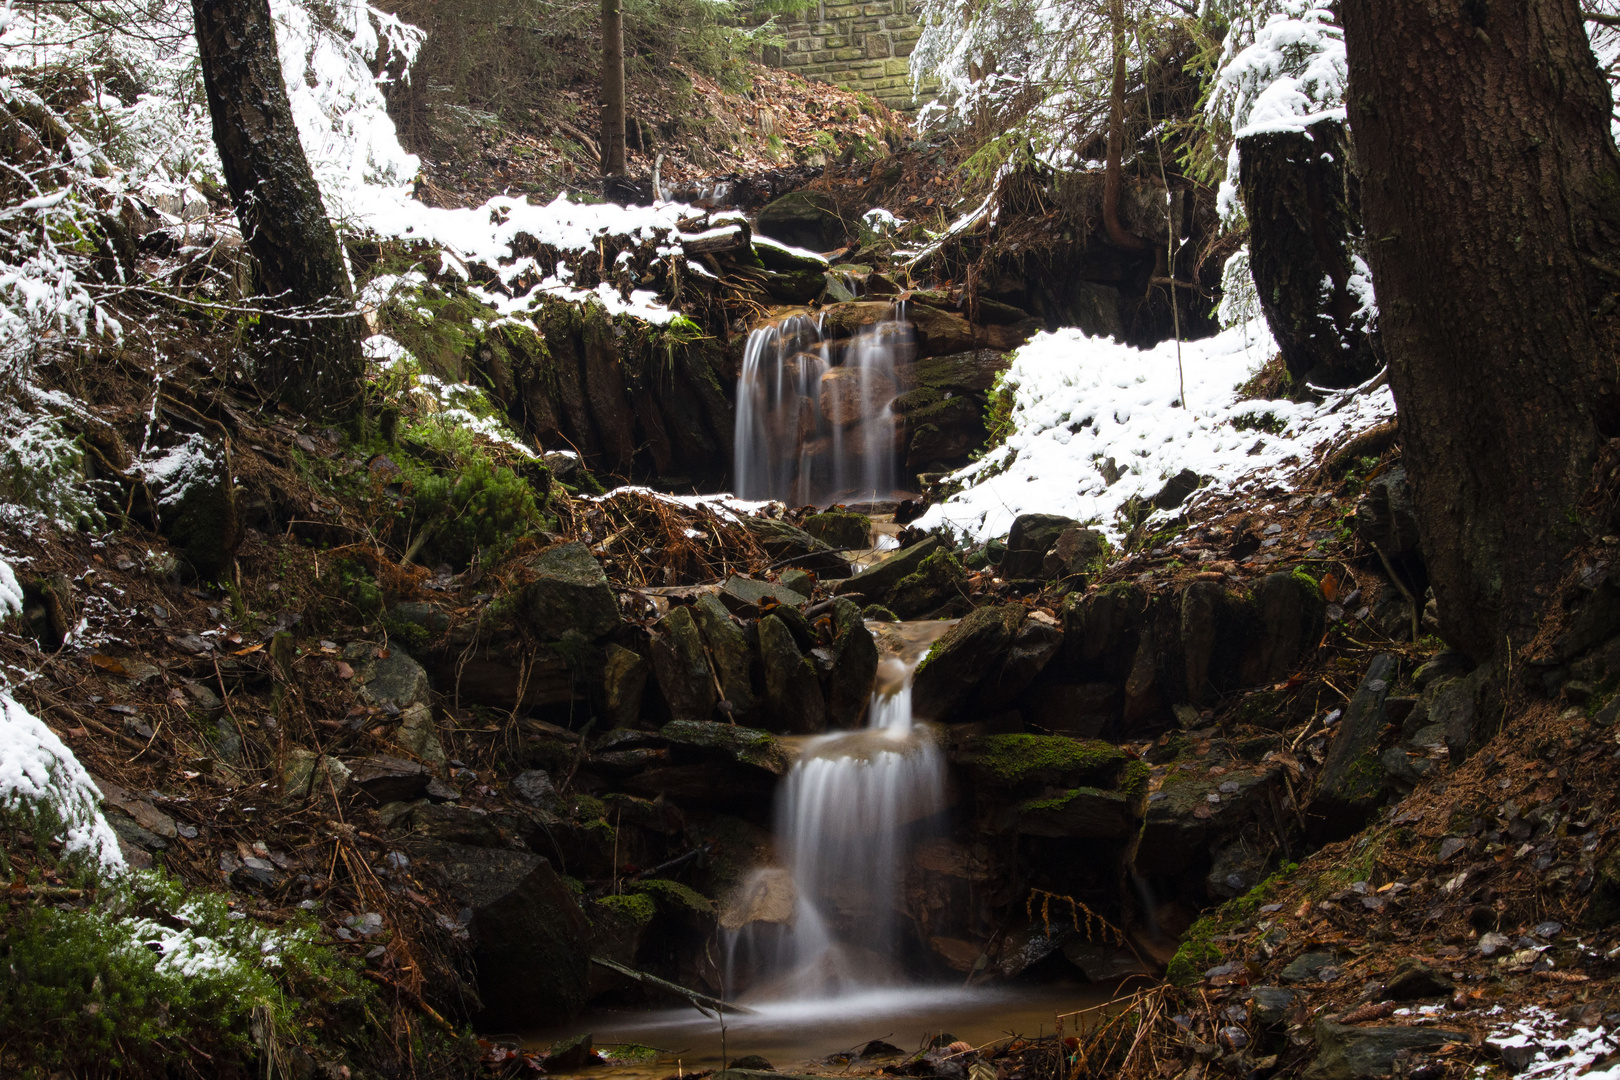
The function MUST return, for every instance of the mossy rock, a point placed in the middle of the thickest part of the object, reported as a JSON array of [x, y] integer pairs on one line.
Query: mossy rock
[[569, 592], [1086, 813], [877, 582], [1017, 760], [749, 746], [963, 657], [938, 579], [682, 667], [840, 528], [636, 909], [675, 896]]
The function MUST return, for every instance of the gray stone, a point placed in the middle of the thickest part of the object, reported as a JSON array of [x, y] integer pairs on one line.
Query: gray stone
[[394, 680], [1353, 782], [728, 647], [743, 595], [794, 703], [1305, 968], [297, 773], [800, 581], [569, 592], [1034, 646], [203, 698], [1352, 1052], [1074, 553], [795, 547], [390, 779], [727, 742], [854, 659], [1463, 708], [1031, 537], [418, 735], [803, 219], [1176, 490], [682, 666], [1274, 1004], [1083, 813], [1238, 867], [877, 582], [422, 614], [1193, 812], [1292, 614], [1414, 980], [964, 657], [139, 810], [624, 679], [1386, 516], [227, 740], [1200, 604], [1445, 664]]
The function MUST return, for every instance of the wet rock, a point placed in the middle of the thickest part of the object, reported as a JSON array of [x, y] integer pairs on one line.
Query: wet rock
[[797, 548], [1074, 554], [203, 699], [743, 596], [728, 647], [1019, 762], [1273, 1005], [394, 681], [524, 921], [1386, 517], [1304, 968], [1102, 630], [624, 678], [427, 616], [418, 735], [767, 895], [569, 592], [571, 1054], [132, 833], [1201, 604], [389, 779], [728, 742], [942, 332], [1034, 646], [682, 667], [1080, 711], [1467, 709], [297, 773], [840, 528], [1080, 813], [1291, 614], [1352, 782], [753, 1062], [618, 924], [794, 703], [139, 810], [803, 219], [876, 583], [1031, 537], [1100, 963], [458, 825], [849, 395], [1414, 980], [967, 654], [938, 580], [854, 667], [534, 787], [1352, 1052], [1193, 812], [801, 582]]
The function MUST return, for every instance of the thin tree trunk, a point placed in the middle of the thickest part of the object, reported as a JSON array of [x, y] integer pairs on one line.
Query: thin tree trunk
[[612, 88], [1488, 189], [313, 364], [1113, 176]]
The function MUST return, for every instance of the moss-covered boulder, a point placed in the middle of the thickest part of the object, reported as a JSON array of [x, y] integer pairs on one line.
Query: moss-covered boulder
[[624, 679], [1083, 813], [682, 667], [728, 647], [840, 528], [1022, 762], [794, 703], [1290, 614], [938, 579], [793, 546], [707, 740], [876, 584], [1353, 780], [569, 591], [1032, 536], [967, 654], [1194, 811]]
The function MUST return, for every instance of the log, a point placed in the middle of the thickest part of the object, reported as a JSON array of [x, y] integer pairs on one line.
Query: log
[[703, 1003], [728, 238]]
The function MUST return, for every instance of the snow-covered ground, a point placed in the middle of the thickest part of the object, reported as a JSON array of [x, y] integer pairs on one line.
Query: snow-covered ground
[[1081, 401]]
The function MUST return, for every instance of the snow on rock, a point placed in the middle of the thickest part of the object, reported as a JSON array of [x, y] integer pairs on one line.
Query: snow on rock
[[1549, 1048], [178, 468], [38, 771], [1081, 400]]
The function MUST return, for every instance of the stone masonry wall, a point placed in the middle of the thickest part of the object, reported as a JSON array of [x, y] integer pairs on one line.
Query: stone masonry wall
[[858, 45]]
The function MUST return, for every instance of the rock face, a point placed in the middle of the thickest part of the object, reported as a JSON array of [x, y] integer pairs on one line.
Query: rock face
[[569, 592], [529, 935], [794, 704], [682, 667], [969, 653], [805, 219], [1193, 813], [1386, 516], [943, 408]]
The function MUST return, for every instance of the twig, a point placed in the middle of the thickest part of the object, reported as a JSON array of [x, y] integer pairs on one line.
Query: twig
[[702, 1002]]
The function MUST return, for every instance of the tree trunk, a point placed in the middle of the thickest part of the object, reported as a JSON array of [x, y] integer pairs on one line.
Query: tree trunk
[[1488, 183], [612, 88], [1113, 175], [1299, 196], [313, 364]]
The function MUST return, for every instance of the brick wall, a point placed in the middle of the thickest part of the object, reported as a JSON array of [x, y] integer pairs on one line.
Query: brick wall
[[859, 45]]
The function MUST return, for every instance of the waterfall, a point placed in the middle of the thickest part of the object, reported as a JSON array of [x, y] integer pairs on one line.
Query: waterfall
[[843, 815], [815, 418]]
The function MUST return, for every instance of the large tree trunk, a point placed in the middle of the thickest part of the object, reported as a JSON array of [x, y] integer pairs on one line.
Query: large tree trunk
[[613, 88], [313, 364], [1114, 170], [1489, 186]]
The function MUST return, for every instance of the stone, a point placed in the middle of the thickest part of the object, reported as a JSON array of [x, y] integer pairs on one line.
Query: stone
[[682, 667], [942, 332], [794, 703], [571, 1054], [728, 648], [1100, 963], [1176, 490], [1386, 517], [1083, 813], [1031, 537], [1292, 614], [389, 779], [394, 681], [1078, 710], [1074, 553], [524, 921], [458, 825], [1363, 1052], [840, 528], [569, 591], [427, 616], [803, 219], [743, 596], [1024, 763], [1414, 980], [1273, 1005], [1353, 782], [801, 582], [877, 582], [850, 395], [228, 740], [1035, 644], [767, 895], [1201, 604], [1467, 709], [938, 580], [418, 735], [534, 787], [297, 773], [963, 657], [1238, 867], [142, 812], [1304, 968], [729, 742], [1192, 813], [624, 679], [792, 546], [203, 699], [854, 667]]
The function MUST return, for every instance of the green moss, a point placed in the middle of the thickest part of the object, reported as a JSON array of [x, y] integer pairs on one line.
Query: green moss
[[675, 895], [1014, 759], [1196, 955], [1305, 579], [636, 908], [840, 528], [936, 580], [1133, 782]]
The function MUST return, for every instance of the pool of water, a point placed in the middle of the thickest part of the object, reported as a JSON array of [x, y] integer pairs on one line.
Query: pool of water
[[792, 1035]]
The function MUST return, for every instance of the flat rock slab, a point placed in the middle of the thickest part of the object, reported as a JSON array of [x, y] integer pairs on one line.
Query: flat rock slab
[[743, 595], [390, 779], [1349, 1052], [876, 582]]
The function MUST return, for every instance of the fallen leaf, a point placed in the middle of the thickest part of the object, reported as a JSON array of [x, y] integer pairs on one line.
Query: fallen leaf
[[109, 664], [249, 649], [344, 670]]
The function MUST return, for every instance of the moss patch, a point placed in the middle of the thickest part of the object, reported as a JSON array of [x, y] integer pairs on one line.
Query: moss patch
[[636, 908], [672, 894], [1023, 758]]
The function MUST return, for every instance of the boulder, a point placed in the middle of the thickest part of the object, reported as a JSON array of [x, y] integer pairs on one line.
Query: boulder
[[840, 528], [1193, 812], [624, 679], [1414, 980], [1352, 782], [389, 779], [941, 332], [1363, 1052], [1290, 614], [682, 666], [569, 591], [800, 581], [1238, 867], [1033, 763], [534, 787], [394, 681], [1074, 553], [1084, 813], [743, 596], [1032, 536], [1102, 631], [530, 939], [971, 651], [418, 736], [767, 895], [454, 824], [794, 704], [1176, 490], [1386, 517], [726, 742], [1101, 963], [1466, 709], [937, 581], [1037, 641], [803, 219], [1078, 710], [854, 659], [792, 545], [728, 648], [1273, 1005], [877, 582]]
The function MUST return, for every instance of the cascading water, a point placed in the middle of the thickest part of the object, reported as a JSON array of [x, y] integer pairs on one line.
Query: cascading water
[[815, 418], [843, 816]]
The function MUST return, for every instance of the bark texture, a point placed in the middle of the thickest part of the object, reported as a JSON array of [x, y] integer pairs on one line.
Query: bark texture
[[1489, 187], [1114, 170], [612, 87], [1299, 193], [313, 364]]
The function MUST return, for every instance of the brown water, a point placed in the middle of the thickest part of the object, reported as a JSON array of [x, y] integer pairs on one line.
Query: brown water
[[794, 1035]]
